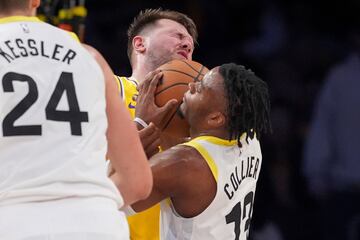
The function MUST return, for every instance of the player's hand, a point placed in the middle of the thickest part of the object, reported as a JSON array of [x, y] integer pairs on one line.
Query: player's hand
[[146, 108], [150, 139]]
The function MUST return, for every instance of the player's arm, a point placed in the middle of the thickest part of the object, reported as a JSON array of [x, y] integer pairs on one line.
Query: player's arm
[[174, 170], [133, 175]]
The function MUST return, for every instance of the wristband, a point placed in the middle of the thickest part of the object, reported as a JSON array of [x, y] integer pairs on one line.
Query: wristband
[[141, 122]]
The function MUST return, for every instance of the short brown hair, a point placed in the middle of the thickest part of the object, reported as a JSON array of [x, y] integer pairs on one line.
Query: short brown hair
[[9, 5], [150, 16]]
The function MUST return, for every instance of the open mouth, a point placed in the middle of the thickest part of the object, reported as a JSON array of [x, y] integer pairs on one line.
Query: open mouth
[[182, 53]]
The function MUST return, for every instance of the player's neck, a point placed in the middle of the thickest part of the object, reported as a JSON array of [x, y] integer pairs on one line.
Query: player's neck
[[26, 13], [140, 70], [138, 76], [219, 133]]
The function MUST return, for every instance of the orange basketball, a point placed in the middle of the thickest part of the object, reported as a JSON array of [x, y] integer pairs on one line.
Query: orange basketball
[[177, 76]]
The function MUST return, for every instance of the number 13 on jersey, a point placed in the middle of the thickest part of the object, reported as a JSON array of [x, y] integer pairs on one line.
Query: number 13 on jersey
[[239, 213]]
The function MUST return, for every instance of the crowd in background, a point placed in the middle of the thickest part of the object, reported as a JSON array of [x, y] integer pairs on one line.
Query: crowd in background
[[294, 46]]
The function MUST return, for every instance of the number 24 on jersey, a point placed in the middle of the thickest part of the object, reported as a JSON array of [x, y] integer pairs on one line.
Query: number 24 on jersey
[[65, 84]]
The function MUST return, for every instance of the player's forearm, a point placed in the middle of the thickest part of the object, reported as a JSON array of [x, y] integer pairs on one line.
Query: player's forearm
[[132, 189]]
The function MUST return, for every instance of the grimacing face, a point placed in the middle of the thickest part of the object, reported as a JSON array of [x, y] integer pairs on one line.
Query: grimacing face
[[204, 97], [168, 40]]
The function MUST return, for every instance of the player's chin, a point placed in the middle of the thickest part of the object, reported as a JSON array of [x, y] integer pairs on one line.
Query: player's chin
[[179, 56]]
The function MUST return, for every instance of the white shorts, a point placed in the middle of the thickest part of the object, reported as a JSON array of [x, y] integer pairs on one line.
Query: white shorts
[[70, 219]]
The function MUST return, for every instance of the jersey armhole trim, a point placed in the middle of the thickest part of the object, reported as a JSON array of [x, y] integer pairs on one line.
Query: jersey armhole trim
[[74, 36], [120, 87], [205, 154]]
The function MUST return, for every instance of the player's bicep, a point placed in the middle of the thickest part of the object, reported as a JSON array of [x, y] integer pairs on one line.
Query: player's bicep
[[170, 171]]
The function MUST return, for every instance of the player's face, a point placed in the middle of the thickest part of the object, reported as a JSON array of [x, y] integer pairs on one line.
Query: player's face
[[168, 40], [203, 98]]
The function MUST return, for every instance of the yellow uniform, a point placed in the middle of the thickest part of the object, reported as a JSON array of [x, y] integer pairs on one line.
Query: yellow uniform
[[144, 225]]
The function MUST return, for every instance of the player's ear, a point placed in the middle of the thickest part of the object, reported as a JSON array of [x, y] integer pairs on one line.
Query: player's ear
[[216, 119], [139, 44], [35, 3]]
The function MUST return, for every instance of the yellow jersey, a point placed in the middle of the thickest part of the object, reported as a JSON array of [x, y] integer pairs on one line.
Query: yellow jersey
[[144, 225]]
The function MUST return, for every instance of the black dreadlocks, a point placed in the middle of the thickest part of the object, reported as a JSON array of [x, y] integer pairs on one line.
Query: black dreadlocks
[[248, 108]]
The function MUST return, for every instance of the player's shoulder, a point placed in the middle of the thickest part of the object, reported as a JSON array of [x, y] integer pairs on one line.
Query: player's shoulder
[[127, 86], [180, 155], [65, 33], [183, 162], [127, 81]]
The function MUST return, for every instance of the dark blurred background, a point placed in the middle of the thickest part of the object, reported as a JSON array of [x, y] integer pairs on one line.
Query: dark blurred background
[[294, 46]]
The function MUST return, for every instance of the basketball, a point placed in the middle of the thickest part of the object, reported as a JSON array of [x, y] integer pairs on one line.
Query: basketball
[[177, 74]]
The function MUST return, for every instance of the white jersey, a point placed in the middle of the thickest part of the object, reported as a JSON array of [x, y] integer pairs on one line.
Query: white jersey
[[228, 217], [53, 118]]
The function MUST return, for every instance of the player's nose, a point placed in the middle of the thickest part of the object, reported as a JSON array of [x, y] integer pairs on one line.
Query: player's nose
[[187, 45]]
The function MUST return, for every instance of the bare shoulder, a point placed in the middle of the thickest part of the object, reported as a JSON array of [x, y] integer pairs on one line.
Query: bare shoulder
[[176, 169], [184, 175], [179, 152], [180, 156]]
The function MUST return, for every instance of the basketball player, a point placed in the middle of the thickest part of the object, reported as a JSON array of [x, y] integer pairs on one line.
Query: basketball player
[[207, 185], [59, 115], [155, 37]]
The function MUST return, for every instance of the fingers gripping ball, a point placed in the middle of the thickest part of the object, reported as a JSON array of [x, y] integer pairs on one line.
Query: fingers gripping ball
[[177, 74]]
